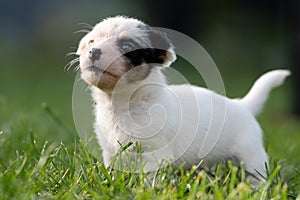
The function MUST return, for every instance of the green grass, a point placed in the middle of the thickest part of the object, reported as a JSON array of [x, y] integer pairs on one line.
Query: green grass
[[35, 163], [42, 156]]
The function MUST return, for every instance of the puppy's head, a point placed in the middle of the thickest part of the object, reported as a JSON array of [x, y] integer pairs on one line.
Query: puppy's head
[[122, 47]]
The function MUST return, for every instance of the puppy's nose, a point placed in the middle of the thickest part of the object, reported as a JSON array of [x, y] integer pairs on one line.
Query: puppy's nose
[[95, 54]]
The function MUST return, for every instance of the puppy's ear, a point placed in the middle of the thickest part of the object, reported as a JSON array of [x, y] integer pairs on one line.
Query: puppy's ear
[[163, 48]]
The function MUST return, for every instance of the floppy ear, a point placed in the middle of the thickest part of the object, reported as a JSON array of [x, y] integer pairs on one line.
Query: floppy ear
[[163, 48]]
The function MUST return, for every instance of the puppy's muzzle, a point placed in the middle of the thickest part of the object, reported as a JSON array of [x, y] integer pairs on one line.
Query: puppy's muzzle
[[95, 54]]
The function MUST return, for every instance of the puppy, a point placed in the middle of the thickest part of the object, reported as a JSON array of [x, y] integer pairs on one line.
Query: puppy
[[122, 58]]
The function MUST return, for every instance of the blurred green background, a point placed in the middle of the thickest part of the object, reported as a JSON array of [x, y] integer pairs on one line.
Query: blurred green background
[[245, 39]]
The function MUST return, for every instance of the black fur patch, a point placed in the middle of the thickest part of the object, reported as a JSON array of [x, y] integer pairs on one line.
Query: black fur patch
[[146, 55], [159, 40], [141, 60], [156, 53]]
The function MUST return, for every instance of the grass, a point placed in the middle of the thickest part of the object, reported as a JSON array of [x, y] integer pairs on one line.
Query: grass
[[42, 156], [35, 166]]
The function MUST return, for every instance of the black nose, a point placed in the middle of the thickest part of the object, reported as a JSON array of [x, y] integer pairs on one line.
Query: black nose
[[95, 54]]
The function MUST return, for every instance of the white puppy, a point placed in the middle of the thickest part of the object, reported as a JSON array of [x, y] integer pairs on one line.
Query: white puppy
[[121, 59]]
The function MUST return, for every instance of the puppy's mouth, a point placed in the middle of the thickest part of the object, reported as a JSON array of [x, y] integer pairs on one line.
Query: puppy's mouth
[[99, 71]]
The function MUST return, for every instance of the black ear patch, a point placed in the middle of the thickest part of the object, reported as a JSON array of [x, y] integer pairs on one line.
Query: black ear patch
[[159, 40], [161, 44], [146, 56], [142, 59], [157, 53]]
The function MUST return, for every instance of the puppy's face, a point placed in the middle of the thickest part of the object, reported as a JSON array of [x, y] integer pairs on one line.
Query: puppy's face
[[122, 47]]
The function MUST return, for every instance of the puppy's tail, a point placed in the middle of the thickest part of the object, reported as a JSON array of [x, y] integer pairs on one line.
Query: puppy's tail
[[259, 92]]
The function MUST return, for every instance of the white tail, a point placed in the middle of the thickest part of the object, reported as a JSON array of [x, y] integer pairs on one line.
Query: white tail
[[259, 92]]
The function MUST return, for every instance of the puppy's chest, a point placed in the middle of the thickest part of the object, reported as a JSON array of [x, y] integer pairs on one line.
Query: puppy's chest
[[107, 126], [137, 122]]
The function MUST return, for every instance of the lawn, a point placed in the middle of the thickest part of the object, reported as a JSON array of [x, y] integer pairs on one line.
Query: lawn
[[42, 156]]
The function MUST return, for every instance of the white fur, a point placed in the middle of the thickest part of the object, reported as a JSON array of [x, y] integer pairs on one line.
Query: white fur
[[259, 93], [241, 136], [182, 122]]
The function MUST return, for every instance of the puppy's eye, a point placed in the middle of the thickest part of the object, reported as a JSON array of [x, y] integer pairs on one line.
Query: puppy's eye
[[127, 46], [91, 41]]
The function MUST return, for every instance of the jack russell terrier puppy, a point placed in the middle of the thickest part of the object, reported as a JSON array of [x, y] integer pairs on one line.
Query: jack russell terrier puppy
[[121, 59]]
